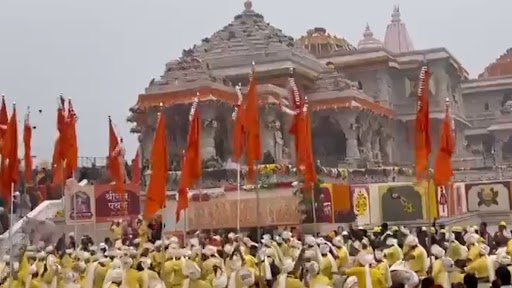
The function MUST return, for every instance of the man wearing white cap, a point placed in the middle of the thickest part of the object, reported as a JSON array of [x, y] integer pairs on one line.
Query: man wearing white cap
[[415, 256], [342, 258], [367, 276], [483, 267], [439, 269]]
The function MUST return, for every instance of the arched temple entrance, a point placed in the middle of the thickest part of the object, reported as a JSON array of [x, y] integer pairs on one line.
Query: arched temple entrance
[[329, 141]]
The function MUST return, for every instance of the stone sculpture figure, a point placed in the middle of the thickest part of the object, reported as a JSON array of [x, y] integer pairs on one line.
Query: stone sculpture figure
[[208, 138], [278, 142], [386, 147]]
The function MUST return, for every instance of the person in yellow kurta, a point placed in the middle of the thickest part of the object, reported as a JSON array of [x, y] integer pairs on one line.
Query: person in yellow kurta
[[147, 277], [71, 281], [193, 280], [130, 277], [32, 279], [173, 267], [101, 272], [328, 266], [439, 269], [287, 279], [483, 266], [367, 277], [316, 279], [211, 260], [66, 262], [415, 256], [239, 276], [157, 256], [382, 266], [117, 230], [473, 247], [143, 230], [114, 279], [342, 257], [393, 253], [50, 274]]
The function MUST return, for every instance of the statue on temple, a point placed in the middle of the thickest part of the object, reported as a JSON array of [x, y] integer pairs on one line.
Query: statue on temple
[[278, 142], [208, 138], [386, 147]]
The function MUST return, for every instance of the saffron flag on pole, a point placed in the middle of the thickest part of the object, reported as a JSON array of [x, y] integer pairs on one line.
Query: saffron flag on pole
[[192, 162], [155, 195], [71, 151], [238, 128], [422, 127], [252, 128], [4, 120], [116, 160], [27, 142], [136, 170], [10, 169], [301, 129], [443, 170], [59, 155]]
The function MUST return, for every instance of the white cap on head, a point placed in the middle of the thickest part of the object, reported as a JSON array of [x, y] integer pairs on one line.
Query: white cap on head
[[365, 258], [286, 235], [209, 250], [504, 259], [337, 241], [484, 249], [287, 265], [391, 241], [437, 251], [324, 248], [411, 240], [6, 259], [116, 275], [471, 238], [231, 235], [313, 268], [344, 233], [158, 243], [309, 240]]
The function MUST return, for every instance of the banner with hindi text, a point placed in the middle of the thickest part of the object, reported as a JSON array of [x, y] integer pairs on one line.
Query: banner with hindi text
[[110, 206]]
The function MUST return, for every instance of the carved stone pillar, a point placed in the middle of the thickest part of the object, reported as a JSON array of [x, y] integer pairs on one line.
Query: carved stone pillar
[[209, 125], [347, 121], [499, 140], [384, 87]]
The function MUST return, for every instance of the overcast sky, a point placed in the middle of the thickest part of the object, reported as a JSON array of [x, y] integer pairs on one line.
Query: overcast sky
[[103, 53]]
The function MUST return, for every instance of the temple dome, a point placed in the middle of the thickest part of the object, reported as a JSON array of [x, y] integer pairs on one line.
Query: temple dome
[[248, 33], [501, 67], [320, 43], [369, 41], [397, 38]]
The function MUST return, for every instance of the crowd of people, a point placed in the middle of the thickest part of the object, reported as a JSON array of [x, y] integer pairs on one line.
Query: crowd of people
[[385, 256]]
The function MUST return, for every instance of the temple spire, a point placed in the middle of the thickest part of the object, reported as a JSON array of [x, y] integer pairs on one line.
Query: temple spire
[[247, 6], [368, 41], [397, 38]]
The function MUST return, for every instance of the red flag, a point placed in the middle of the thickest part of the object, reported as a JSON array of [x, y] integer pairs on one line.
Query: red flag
[[238, 129], [192, 163], [252, 128], [71, 150], [116, 160], [301, 129], [422, 129], [27, 142], [4, 120], [443, 170], [136, 168], [155, 195], [10, 169], [59, 154]]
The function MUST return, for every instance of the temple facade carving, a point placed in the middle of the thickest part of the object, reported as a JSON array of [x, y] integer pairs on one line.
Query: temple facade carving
[[363, 98]]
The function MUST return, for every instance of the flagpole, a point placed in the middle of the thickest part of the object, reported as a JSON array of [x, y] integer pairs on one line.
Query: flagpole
[[11, 244], [74, 214], [238, 198]]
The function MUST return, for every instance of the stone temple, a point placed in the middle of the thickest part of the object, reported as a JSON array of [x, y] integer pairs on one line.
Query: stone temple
[[363, 99]]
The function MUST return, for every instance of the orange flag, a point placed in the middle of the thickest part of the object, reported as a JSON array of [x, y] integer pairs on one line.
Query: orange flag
[[422, 129], [443, 170], [301, 129], [252, 128], [10, 169], [155, 195], [59, 155], [27, 142], [71, 141], [192, 162], [116, 160], [4, 120], [238, 129], [136, 168]]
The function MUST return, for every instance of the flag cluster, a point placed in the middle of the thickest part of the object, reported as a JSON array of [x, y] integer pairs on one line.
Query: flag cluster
[[443, 170]]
